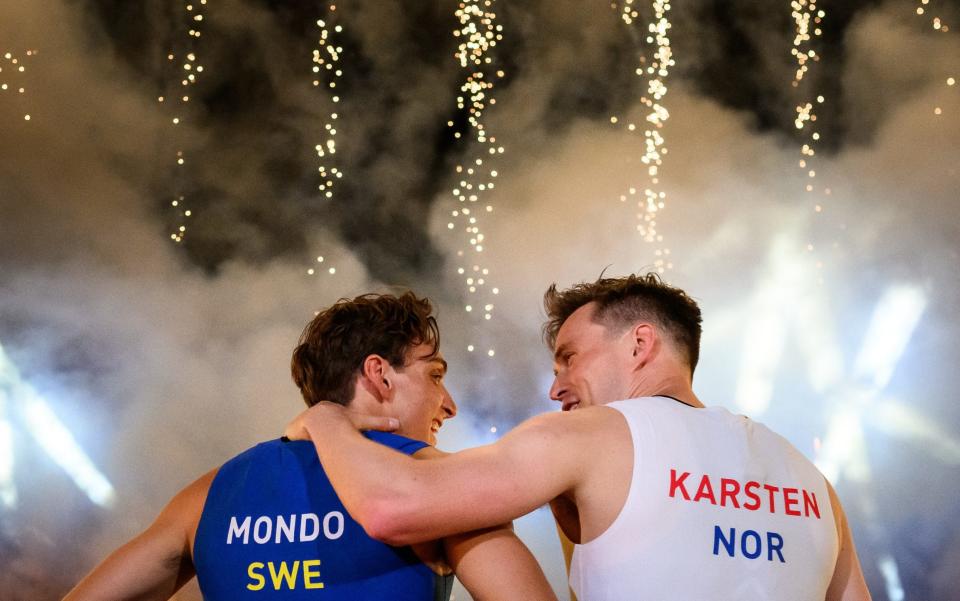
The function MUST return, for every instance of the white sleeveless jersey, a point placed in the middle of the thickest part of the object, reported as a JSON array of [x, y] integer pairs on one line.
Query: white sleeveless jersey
[[719, 507]]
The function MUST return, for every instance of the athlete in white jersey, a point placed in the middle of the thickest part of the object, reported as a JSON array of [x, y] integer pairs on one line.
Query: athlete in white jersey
[[749, 513], [666, 499]]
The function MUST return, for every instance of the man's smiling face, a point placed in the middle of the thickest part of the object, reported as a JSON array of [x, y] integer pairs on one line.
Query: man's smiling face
[[588, 362], [421, 401]]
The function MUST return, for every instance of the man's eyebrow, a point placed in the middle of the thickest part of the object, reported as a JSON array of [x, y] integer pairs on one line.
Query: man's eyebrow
[[560, 350], [442, 362]]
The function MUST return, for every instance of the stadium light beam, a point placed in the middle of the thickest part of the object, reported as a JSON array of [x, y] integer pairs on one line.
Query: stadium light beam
[[8, 491], [891, 578], [786, 301], [50, 434], [785, 304], [899, 420], [893, 322], [766, 331]]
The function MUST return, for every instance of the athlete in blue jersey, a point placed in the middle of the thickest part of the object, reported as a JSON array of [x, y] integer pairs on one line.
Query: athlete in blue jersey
[[250, 539], [268, 525]]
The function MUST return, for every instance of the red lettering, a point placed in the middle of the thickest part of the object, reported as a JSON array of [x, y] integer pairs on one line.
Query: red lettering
[[749, 491], [790, 500], [810, 502], [771, 490], [677, 483], [729, 488], [705, 490]]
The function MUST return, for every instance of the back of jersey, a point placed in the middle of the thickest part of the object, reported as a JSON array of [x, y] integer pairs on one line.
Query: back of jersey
[[719, 507], [272, 527]]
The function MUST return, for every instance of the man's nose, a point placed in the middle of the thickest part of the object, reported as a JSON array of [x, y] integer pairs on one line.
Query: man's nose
[[557, 389], [449, 405]]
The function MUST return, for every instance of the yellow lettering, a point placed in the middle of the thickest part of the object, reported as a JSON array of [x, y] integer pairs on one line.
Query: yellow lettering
[[284, 574], [254, 576], [309, 575]]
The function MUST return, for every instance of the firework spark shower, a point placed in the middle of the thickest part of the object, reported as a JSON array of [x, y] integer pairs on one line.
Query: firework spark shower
[[837, 327]]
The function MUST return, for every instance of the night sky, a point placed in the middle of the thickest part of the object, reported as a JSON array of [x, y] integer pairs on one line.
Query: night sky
[[164, 359]]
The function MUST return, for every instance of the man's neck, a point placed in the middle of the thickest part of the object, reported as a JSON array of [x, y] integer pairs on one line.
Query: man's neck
[[675, 386]]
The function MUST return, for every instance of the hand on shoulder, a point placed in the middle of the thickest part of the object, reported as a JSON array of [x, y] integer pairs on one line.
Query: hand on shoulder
[[325, 416]]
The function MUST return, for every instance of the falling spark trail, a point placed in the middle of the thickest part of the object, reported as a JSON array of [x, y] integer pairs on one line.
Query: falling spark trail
[[478, 34], [12, 68], [179, 96], [654, 71], [807, 19], [935, 21], [326, 68], [327, 72]]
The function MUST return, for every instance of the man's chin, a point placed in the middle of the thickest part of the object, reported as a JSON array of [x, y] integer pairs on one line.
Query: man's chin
[[430, 438]]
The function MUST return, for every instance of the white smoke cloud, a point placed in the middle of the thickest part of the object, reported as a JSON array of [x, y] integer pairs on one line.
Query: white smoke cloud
[[891, 218], [163, 371], [159, 370]]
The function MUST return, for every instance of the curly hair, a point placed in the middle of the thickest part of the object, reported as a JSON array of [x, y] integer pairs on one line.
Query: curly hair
[[335, 343], [627, 300]]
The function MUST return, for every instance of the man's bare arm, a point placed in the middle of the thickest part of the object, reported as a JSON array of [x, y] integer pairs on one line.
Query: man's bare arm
[[155, 564], [400, 500], [847, 583], [494, 564], [566, 545]]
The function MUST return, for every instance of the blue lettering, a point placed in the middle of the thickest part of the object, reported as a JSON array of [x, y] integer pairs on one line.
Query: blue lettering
[[729, 545], [751, 543], [756, 547], [771, 547]]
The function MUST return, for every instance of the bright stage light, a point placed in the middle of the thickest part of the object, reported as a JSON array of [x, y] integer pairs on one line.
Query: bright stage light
[[903, 422], [891, 577], [891, 326], [49, 433], [787, 304], [763, 346], [843, 452], [8, 492], [58, 442], [893, 322]]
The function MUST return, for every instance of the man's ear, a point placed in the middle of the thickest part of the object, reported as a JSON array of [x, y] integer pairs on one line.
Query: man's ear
[[377, 374], [643, 338]]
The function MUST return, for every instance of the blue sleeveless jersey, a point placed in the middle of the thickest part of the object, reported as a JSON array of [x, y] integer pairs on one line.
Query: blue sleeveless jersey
[[272, 528]]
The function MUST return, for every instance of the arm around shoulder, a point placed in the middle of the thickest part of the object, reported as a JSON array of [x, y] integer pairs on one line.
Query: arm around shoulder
[[156, 563], [402, 501]]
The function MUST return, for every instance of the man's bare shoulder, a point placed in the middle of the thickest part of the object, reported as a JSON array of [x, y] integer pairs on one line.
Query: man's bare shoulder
[[429, 452], [189, 502], [187, 506], [595, 421]]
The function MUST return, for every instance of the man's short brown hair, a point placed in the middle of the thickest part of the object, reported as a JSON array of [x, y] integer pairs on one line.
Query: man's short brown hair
[[622, 302], [335, 343]]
